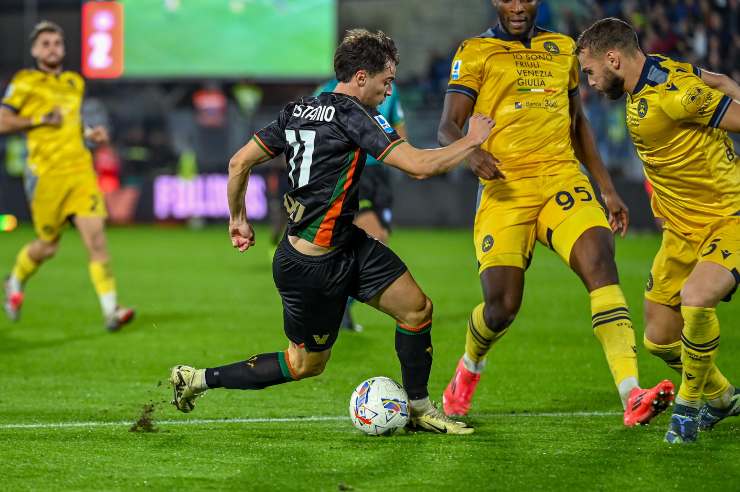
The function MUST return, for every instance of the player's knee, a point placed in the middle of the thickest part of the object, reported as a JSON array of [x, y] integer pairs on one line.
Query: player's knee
[[693, 294], [48, 250], [500, 313], [418, 312]]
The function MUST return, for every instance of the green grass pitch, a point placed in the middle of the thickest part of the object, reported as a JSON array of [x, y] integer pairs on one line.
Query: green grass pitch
[[547, 414]]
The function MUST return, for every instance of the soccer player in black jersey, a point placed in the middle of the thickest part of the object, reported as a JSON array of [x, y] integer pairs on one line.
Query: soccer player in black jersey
[[324, 258]]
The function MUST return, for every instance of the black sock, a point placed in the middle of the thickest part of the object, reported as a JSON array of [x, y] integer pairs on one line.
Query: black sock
[[414, 351], [258, 372]]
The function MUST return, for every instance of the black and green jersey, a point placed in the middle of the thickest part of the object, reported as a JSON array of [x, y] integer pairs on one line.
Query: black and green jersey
[[326, 139]]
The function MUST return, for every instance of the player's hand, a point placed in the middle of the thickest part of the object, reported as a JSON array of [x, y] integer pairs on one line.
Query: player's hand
[[484, 165], [242, 234], [98, 135], [619, 214], [52, 118], [479, 127]]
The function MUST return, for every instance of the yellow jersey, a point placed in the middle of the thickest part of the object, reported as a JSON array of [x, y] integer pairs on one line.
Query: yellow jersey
[[525, 87], [51, 150], [672, 117]]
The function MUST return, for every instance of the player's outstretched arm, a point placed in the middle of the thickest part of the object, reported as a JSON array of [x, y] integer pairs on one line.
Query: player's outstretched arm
[[731, 120], [424, 163], [11, 122], [586, 151], [240, 231], [457, 109], [722, 83]]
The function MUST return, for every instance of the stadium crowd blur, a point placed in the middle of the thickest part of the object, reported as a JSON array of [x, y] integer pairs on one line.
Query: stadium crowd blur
[[183, 127]]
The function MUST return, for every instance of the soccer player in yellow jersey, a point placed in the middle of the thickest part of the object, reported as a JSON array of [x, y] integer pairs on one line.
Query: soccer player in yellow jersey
[[678, 117], [61, 184], [526, 78]]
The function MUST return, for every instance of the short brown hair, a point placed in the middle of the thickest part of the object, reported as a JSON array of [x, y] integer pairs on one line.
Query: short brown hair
[[608, 34], [45, 26], [363, 50]]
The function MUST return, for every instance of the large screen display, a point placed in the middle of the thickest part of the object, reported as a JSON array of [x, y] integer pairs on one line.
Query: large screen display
[[263, 39]]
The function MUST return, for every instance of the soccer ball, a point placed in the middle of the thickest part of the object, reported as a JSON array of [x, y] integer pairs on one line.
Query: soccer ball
[[379, 406]]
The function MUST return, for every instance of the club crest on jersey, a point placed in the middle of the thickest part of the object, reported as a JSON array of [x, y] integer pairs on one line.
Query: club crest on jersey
[[456, 65], [487, 243], [642, 107], [551, 47], [384, 123]]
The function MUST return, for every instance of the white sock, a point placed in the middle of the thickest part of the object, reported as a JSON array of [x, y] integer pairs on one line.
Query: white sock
[[724, 400], [14, 284], [625, 387], [109, 303], [472, 366], [421, 406]]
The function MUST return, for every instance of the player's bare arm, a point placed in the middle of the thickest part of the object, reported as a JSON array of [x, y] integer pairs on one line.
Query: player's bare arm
[[240, 231], [457, 109], [586, 151], [721, 82], [424, 163], [10, 122], [731, 119]]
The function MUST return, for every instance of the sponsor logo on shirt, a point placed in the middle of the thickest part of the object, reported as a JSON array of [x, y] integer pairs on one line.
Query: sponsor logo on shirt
[[697, 100], [384, 123], [456, 65]]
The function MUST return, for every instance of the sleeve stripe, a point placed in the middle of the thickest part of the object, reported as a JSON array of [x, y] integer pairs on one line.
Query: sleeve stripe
[[463, 90], [390, 148], [12, 108], [696, 70], [262, 146], [572, 92], [719, 113]]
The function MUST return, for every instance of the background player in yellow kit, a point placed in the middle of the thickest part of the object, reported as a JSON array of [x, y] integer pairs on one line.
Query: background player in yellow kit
[[526, 78], [678, 120], [61, 184]]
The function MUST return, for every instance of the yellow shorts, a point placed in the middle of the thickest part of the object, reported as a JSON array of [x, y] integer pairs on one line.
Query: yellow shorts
[[55, 199], [511, 215], [719, 243]]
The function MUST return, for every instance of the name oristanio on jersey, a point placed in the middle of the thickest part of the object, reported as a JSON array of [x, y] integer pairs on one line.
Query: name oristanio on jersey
[[314, 113]]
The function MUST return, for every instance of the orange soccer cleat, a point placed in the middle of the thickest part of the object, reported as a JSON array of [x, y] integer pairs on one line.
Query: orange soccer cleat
[[458, 394], [644, 404]]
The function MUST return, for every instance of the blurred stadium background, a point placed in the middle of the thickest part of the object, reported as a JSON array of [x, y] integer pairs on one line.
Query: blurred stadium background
[[182, 84]]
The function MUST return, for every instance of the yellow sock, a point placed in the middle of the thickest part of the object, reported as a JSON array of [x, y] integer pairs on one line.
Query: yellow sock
[[105, 285], [24, 266], [613, 327], [479, 337], [671, 353], [700, 340], [716, 384]]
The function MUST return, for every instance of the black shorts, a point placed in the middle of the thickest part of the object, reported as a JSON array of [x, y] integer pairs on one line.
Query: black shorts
[[314, 289], [376, 194]]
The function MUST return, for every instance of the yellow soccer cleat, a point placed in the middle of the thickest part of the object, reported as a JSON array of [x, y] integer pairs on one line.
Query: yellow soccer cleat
[[433, 420], [184, 387]]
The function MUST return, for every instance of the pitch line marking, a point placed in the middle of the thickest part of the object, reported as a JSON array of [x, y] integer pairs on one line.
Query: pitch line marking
[[328, 418]]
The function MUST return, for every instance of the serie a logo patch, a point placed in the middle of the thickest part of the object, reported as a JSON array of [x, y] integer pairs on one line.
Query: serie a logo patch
[[384, 123], [456, 65]]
